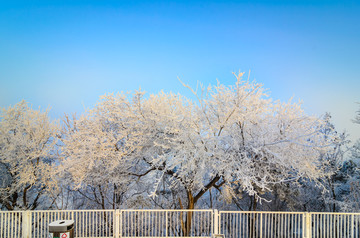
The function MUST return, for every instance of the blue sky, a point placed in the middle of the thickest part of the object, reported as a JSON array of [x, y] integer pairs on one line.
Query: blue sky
[[65, 54]]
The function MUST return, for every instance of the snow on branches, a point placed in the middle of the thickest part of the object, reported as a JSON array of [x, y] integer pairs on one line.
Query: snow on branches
[[233, 135], [27, 140]]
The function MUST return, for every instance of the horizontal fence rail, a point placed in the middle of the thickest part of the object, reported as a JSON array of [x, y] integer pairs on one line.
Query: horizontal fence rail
[[182, 223]]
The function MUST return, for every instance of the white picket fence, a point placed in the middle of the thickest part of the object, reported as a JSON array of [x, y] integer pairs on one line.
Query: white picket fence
[[182, 223], [262, 224], [164, 223]]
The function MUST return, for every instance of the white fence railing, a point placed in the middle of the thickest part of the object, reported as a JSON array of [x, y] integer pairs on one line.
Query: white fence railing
[[88, 223], [261, 224], [11, 224], [182, 223], [334, 225], [165, 223]]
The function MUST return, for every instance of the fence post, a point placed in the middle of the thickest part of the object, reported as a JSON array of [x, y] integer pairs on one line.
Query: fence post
[[352, 226], [26, 224], [117, 223], [216, 221], [261, 223], [308, 224], [115, 228], [166, 223]]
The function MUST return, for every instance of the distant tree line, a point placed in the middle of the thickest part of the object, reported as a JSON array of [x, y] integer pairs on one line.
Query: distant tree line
[[233, 148]]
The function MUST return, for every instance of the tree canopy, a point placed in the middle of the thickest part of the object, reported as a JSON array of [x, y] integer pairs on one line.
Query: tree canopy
[[232, 144], [234, 137], [27, 140]]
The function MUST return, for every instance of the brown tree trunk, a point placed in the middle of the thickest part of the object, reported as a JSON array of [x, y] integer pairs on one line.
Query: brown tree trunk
[[191, 205], [186, 226]]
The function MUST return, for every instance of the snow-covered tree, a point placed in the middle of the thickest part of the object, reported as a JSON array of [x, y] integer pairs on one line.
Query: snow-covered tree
[[355, 150], [98, 151], [351, 203], [341, 187], [242, 139], [27, 140], [234, 139]]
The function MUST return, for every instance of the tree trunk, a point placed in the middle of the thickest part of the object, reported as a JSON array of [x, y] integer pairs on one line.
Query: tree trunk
[[186, 226], [191, 205]]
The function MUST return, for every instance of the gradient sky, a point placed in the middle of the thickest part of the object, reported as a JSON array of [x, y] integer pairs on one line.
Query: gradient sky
[[65, 54]]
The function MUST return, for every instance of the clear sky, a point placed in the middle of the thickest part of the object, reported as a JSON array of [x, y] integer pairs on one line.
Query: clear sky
[[65, 54]]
